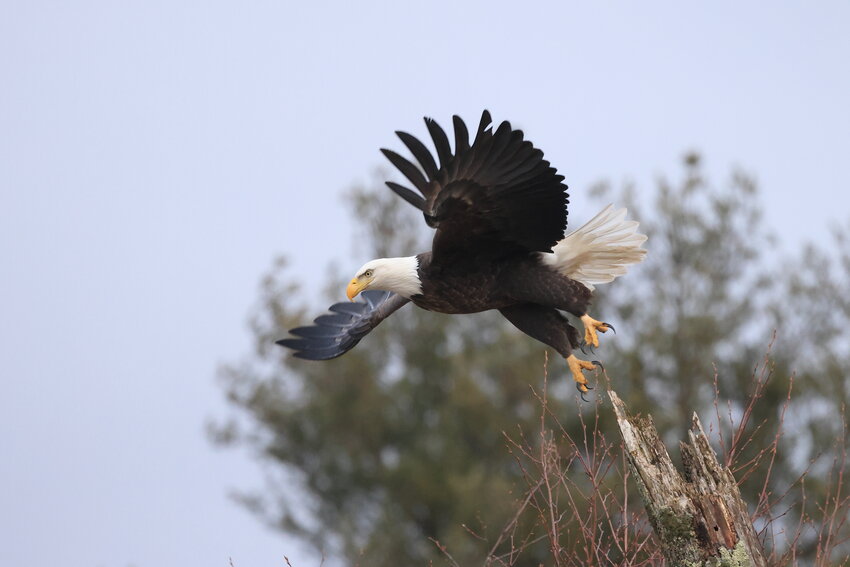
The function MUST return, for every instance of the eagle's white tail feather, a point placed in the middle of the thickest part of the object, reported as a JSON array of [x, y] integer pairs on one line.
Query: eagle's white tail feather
[[599, 251]]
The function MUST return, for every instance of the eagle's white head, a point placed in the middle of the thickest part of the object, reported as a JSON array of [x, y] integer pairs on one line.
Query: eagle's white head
[[400, 275]]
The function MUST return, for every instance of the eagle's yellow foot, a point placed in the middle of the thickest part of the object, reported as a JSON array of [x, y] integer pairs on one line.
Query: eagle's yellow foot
[[591, 325], [577, 366]]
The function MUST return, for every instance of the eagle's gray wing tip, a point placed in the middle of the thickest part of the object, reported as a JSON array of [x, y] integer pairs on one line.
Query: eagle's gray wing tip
[[335, 333]]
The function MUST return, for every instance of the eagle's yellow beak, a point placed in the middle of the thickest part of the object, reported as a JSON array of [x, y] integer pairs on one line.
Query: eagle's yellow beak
[[354, 287]]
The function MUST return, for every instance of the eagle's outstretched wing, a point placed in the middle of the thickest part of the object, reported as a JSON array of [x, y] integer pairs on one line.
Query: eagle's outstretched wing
[[495, 196], [337, 332]]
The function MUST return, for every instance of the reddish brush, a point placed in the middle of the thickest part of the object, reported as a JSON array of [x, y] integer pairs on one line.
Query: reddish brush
[[576, 496]]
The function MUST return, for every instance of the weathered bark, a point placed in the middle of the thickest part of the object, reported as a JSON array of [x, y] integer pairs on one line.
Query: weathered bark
[[700, 519]]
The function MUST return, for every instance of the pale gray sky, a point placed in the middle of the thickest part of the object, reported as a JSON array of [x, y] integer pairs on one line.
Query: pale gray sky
[[155, 156]]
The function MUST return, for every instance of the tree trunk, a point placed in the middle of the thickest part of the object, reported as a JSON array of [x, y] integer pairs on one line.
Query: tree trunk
[[700, 519]]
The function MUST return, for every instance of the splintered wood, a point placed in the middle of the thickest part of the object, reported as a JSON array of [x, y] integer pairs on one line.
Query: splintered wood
[[699, 517]]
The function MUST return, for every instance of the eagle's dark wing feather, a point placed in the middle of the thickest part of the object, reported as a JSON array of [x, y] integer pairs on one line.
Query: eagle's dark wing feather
[[336, 333], [493, 197], [408, 195]]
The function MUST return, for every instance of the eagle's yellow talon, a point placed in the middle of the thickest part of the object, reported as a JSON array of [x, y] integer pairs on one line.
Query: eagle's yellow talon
[[577, 366], [591, 326]]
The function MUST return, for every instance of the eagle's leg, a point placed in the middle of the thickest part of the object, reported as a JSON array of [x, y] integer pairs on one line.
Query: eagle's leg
[[549, 326], [591, 326], [577, 367]]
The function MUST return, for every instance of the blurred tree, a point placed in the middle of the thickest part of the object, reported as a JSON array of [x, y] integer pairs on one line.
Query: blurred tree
[[694, 304], [714, 296], [401, 440]]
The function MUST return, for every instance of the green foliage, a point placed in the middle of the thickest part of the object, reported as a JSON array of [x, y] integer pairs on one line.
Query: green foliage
[[711, 299], [403, 438], [399, 440], [692, 306]]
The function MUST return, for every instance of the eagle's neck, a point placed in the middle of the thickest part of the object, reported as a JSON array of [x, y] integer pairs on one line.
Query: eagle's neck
[[400, 275]]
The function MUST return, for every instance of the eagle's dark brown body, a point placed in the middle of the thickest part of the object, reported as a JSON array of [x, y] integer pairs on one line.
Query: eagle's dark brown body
[[467, 288], [527, 292]]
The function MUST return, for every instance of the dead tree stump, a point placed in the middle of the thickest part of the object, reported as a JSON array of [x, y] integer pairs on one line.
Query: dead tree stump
[[699, 518]]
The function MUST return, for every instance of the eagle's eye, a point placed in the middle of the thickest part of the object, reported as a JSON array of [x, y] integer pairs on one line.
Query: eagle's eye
[[368, 273]]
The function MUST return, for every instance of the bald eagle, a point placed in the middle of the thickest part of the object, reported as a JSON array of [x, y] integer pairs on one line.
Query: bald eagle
[[500, 214]]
